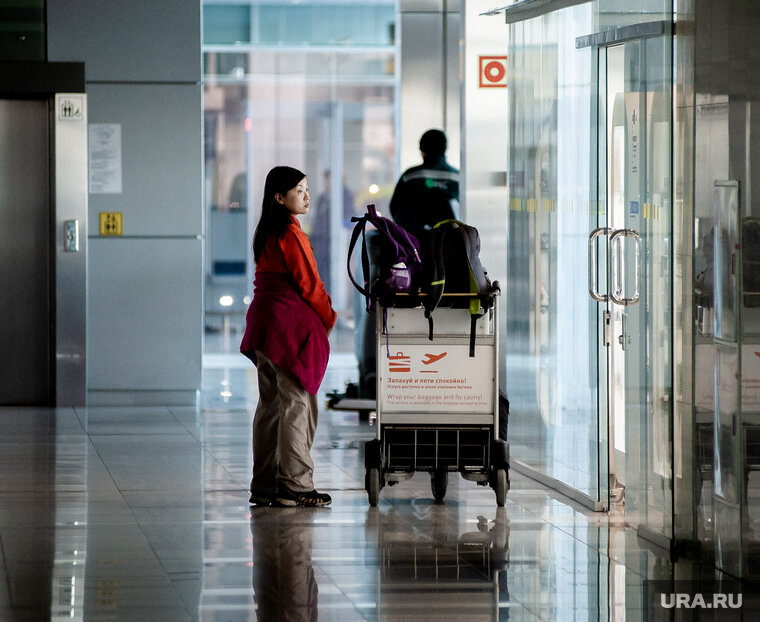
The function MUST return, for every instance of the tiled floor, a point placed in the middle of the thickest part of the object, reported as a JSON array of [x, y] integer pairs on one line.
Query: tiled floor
[[142, 514]]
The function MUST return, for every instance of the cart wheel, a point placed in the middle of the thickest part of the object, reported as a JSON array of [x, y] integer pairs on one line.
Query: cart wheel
[[373, 486], [439, 481], [500, 486]]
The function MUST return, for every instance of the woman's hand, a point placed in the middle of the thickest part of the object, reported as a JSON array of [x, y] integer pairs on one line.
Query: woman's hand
[[329, 330]]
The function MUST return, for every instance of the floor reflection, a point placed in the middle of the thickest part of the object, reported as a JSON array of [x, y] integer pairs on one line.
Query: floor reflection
[[142, 514], [436, 572], [284, 585]]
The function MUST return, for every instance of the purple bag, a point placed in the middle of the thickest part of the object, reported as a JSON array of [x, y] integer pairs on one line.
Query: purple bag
[[390, 259]]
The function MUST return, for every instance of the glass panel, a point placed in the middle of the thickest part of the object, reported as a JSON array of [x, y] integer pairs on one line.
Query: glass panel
[[656, 353], [639, 177], [226, 23], [552, 323], [329, 114], [729, 432], [619, 13], [726, 203], [711, 137], [727, 497], [617, 139], [365, 22]]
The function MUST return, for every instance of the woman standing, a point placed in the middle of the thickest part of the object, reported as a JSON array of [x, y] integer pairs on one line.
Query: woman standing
[[287, 326]]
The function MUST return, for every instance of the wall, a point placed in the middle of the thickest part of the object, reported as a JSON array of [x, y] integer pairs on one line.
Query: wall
[[430, 76], [143, 70], [484, 141], [441, 41]]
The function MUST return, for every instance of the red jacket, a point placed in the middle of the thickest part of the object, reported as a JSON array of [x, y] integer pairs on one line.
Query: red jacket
[[291, 311]]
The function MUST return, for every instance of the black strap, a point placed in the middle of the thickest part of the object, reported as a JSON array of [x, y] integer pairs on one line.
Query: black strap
[[359, 229], [473, 327], [385, 330], [438, 277], [366, 270], [437, 274]]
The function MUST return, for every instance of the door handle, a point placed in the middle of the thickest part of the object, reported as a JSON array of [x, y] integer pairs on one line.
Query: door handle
[[616, 249], [592, 284]]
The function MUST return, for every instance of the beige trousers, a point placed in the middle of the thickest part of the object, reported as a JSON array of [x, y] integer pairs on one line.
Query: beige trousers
[[283, 431]]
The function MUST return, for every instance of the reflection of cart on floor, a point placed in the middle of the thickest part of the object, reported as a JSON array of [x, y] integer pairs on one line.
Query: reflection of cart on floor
[[463, 573], [437, 404]]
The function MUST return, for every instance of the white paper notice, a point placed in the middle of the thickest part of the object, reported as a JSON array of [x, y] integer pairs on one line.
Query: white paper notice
[[105, 158], [437, 379]]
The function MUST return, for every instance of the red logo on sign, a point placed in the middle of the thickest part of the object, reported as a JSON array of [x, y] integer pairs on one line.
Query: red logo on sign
[[493, 71], [399, 363], [432, 358]]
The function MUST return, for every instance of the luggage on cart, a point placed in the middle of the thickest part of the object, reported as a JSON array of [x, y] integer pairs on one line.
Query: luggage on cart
[[438, 408], [451, 252], [364, 334], [395, 265], [388, 262]]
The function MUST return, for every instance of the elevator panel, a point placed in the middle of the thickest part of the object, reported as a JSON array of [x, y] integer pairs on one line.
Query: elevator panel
[[25, 253]]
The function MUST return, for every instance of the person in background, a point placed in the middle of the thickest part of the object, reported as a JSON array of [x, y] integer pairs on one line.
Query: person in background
[[427, 193], [320, 230], [287, 328], [320, 237]]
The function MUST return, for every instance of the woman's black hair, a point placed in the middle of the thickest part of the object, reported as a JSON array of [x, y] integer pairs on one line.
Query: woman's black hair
[[274, 216]]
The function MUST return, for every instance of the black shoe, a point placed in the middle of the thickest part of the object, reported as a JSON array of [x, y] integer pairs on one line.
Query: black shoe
[[311, 499], [258, 498]]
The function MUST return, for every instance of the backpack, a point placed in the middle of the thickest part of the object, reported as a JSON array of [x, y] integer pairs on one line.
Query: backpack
[[452, 266], [397, 266]]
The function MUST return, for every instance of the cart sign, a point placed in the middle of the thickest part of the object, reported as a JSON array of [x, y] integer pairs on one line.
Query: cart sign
[[424, 378], [492, 71]]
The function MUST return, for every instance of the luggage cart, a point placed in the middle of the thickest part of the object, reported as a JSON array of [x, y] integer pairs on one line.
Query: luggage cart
[[437, 406]]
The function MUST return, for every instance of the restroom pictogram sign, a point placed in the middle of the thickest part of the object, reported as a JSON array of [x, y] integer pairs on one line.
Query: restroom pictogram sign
[[492, 71]]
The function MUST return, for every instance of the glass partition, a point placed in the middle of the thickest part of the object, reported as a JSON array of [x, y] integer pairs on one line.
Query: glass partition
[[589, 321], [552, 327]]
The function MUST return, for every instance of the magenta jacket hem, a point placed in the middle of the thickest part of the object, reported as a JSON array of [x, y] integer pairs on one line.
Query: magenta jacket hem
[[286, 329]]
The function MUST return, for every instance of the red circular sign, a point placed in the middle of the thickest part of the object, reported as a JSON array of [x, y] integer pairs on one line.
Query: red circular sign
[[494, 71]]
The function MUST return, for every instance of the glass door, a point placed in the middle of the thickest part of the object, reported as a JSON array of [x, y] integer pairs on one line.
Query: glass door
[[634, 253], [551, 368]]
